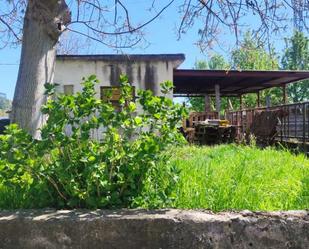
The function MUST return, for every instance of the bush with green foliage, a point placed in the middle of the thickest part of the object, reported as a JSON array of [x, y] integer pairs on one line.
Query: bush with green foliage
[[71, 170]]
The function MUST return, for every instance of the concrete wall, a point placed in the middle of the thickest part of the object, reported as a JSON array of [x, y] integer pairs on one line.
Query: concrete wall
[[144, 71], [133, 229]]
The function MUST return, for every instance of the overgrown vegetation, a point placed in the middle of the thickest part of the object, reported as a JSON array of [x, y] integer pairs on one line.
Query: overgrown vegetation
[[240, 177], [69, 169], [132, 163]]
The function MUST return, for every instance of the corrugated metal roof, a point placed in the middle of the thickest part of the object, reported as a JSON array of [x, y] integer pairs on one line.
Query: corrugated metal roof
[[233, 82]]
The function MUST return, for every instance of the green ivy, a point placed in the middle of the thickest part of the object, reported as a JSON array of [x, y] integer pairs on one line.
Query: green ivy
[[68, 168]]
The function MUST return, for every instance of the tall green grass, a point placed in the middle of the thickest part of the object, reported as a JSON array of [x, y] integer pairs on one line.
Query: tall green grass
[[229, 177], [225, 177]]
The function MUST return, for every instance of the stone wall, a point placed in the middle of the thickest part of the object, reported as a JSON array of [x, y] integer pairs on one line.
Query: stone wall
[[153, 229]]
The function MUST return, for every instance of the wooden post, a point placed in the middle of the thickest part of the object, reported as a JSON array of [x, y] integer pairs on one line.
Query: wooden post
[[207, 103], [304, 125], [240, 102], [284, 94], [258, 99], [218, 102], [241, 119]]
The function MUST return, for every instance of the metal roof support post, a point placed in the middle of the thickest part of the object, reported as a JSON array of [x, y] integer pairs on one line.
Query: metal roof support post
[[268, 101], [218, 100], [258, 99], [240, 102], [241, 115], [283, 121], [284, 94], [207, 103]]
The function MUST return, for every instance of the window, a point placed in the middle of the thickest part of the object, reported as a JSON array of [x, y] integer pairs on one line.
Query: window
[[115, 93], [68, 89]]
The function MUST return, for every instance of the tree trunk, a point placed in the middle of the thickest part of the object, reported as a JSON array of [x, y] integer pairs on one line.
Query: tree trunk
[[43, 24]]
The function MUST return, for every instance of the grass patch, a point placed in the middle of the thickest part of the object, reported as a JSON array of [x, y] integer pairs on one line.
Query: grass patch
[[240, 177], [225, 177]]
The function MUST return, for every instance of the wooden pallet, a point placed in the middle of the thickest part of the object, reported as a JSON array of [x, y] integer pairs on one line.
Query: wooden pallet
[[206, 134]]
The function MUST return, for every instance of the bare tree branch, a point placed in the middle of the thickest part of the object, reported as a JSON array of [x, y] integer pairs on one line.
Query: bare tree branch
[[264, 18], [112, 23], [130, 30], [9, 27], [104, 43]]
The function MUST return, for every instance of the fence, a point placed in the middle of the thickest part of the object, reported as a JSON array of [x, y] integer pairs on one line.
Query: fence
[[292, 126]]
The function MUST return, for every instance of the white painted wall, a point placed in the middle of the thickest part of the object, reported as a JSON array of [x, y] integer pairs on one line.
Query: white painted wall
[[142, 73]]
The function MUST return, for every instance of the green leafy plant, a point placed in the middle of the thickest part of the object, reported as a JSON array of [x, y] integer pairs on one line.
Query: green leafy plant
[[90, 154]]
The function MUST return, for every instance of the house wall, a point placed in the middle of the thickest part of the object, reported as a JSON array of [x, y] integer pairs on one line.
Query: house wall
[[143, 71]]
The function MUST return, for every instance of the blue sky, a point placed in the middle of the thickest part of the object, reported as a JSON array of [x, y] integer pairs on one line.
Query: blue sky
[[160, 34]]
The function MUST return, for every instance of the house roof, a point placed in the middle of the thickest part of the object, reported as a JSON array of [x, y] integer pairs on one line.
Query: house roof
[[233, 82], [125, 57]]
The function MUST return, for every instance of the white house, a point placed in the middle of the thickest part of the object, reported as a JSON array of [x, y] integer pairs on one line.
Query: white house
[[143, 71]]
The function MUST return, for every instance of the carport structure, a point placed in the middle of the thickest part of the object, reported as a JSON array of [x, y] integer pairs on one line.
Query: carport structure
[[234, 83]]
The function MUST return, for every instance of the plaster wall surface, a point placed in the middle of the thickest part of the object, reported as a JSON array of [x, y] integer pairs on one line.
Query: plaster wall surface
[[144, 71]]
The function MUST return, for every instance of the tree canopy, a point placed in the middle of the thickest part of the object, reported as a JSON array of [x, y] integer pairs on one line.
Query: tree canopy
[[296, 57], [251, 55]]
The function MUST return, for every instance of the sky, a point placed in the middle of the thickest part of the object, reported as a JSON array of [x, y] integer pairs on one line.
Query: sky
[[160, 34]]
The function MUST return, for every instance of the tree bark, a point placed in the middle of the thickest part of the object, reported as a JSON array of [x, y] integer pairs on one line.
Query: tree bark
[[43, 24]]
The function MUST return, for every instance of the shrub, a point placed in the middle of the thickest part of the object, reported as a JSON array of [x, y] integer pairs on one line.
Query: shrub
[[68, 168]]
